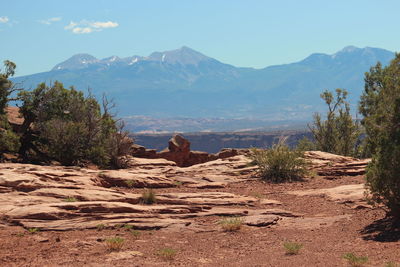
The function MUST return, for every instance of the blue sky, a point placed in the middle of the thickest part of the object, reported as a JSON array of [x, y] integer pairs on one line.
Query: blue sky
[[38, 34]]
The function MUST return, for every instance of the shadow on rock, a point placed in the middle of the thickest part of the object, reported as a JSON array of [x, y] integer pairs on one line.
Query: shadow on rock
[[383, 230]]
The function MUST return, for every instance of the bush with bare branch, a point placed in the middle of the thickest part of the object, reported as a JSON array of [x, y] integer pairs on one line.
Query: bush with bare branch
[[67, 126]]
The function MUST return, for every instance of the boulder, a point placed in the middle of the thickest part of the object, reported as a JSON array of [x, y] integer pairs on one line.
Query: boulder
[[178, 144], [142, 152], [227, 153], [178, 151]]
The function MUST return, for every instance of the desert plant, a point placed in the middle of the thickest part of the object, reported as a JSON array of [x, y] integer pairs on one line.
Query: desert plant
[[231, 224], [392, 264], [167, 253], [128, 227], [305, 144], [33, 230], [9, 141], [100, 227], [148, 197], [135, 233], [380, 106], [339, 133], [7, 88], [292, 248], [130, 183], [70, 199], [354, 260], [115, 243], [178, 183], [67, 126], [118, 225], [279, 164]]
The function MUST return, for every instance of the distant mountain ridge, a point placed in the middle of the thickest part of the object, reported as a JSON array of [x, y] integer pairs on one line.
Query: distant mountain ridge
[[186, 83], [183, 56]]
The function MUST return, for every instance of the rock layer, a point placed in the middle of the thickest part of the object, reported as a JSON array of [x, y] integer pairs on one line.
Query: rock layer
[[179, 152], [327, 164], [65, 198]]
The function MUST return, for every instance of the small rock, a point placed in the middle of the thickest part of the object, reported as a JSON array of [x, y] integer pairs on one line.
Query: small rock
[[270, 202], [261, 220], [41, 239]]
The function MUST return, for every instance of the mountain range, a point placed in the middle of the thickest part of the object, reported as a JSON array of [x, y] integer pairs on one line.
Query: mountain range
[[185, 83]]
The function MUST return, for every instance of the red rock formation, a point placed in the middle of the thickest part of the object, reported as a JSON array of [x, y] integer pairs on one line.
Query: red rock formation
[[179, 152]]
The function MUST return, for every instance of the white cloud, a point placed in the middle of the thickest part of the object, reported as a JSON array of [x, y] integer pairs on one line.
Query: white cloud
[[108, 24], [50, 20], [79, 30], [4, 19], [85, 26], [71, 25]]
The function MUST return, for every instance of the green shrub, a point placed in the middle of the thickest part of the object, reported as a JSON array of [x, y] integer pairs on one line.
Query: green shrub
[[305, 144], [33, 230], [61, 124], [339, 133], [292, 248], [280, 164], [380, 106], [148, 197], [9, 141], [6, 85], [67, 126], [70, 199], [354, 260]]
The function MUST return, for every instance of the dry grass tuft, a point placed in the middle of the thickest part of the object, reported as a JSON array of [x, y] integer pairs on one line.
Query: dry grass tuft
[[148, 197], [114, 243], [231, 224], [167, 253], [292, 248]]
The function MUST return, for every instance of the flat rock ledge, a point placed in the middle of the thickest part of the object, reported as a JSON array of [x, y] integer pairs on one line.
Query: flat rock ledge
[[331, 165], [68, 198]]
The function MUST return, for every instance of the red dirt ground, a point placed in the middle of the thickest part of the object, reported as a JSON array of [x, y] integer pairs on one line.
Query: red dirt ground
[[366, 233]]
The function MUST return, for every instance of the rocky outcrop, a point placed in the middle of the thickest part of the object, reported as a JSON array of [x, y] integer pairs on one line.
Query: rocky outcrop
[[142, 152], [331, 165], [66, 198], [179, 152], [352, 193]]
